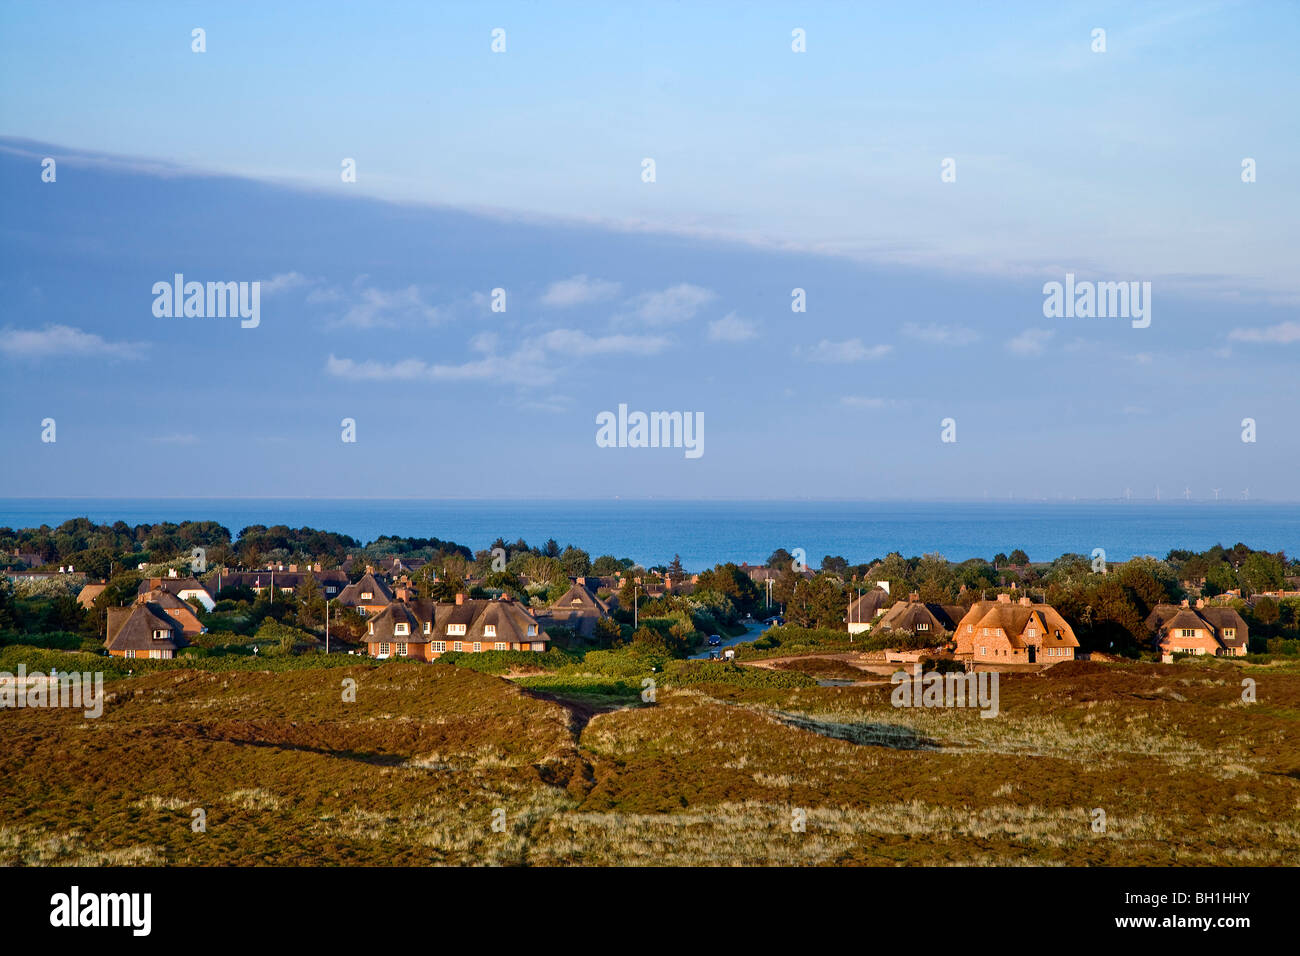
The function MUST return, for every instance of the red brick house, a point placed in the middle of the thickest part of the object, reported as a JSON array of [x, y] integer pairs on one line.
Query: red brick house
[[1000, 632], [470, 625], [143, 630], [369, 595], [402, 629], [1218, 631]]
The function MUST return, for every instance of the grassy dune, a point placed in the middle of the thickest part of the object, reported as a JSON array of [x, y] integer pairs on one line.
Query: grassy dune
[[443, 765]]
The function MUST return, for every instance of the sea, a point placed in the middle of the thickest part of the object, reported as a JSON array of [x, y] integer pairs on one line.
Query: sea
[[707, 532]]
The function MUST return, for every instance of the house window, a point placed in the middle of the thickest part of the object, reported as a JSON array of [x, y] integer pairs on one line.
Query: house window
[[361, 611], [923, 627], [130, 654], [970, 628], [371, 627], [160, 635], [489, 630], [532, 630], [1229, 632], [478, 646], [384, 649], [458, 646], [455, 628], [1188, 632], [501, 645], [984, 652], [401, 648], [439, 646], [999, 632], [428, 627], [986, 632], [1032, 632], [367, 595], [402, 628]]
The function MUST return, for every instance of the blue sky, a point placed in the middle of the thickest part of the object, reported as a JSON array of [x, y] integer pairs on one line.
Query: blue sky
[[775, 170]]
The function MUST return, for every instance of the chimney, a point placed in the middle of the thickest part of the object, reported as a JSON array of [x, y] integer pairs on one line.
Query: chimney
[[1185, 603], [1004, 598], [316, 566], [1200, 603], [914, 597], [171, 572], [293, 569], [505, 596], [460, 599], [580, 580], [401, 594], [1025, 601]]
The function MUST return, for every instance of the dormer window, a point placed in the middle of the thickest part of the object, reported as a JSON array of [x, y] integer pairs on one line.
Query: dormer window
[[161, 635], [371, 625], [428, 627], [455, 628], [532, 630], [402, 628], [367, 595], [922, 626], [489, 630], [1229, 632]]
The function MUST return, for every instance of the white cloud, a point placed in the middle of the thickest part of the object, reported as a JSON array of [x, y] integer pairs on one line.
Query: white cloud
[[63, 341], [731, 328], [862, 401], [382, 309], [284, 281], [674, 304], [1030, 342], [578, 290], [576, 342], [934, 334], [850, 350], [1284, 333]]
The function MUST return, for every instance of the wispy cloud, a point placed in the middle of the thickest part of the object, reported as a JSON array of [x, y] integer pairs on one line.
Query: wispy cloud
[[176, 439], [284, 281], [536, 361], [1030, 342], [732, 328], [578, 290], [1284, 333], [63, 341], [379, 308], [935, 334], [864, 401], [672, 305], [850, 350]]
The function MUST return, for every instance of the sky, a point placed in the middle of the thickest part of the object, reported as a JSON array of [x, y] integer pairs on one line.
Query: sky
[[775, 170]]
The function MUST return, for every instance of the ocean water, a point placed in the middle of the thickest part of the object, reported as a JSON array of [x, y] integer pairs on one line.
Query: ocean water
[[707, 532]]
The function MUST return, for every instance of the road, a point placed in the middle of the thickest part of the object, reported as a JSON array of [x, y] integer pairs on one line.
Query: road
[[753, 629]]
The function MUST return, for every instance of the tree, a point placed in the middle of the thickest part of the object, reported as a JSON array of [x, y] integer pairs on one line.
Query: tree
[[311, 603], [780, 559], [676, 572], [1261, 572], [1019, 558]]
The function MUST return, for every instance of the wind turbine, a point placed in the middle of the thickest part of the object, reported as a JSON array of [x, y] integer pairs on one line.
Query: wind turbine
[[1187, 494], [1216, 493], [1157, 492], [1245, 495], [1128, 494]]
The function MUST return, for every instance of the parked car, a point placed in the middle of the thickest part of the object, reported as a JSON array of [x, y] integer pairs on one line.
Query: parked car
[[714, 640]]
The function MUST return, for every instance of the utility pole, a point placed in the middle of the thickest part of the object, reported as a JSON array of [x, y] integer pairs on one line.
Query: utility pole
[[327, 625], [635, 619]]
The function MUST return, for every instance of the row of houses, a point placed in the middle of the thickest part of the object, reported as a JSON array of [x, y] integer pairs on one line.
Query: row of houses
[[1024, 632]]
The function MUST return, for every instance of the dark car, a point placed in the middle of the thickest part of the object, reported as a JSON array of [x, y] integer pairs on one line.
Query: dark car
[[714, 640]]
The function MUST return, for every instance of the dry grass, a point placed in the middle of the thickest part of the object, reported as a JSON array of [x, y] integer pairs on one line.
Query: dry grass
[[440, 765]]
